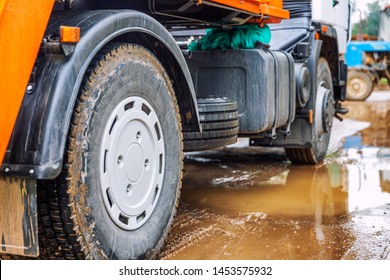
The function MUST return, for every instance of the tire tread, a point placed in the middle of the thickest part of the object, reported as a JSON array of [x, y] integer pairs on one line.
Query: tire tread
[[59, 235]]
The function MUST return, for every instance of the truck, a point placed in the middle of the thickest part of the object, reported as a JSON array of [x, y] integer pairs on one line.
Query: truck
[[369, 61], [101, 99]]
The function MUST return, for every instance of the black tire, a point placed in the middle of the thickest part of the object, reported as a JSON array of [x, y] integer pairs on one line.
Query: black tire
[[320, 141], [219, 120], [359, 85], [74, 219]]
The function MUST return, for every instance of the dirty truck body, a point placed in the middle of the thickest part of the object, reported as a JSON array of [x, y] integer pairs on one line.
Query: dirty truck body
[[100, 100]]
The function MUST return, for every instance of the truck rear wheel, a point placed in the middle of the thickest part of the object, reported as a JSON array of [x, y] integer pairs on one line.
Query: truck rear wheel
[[323, 119], [119, 192], [359, 85]]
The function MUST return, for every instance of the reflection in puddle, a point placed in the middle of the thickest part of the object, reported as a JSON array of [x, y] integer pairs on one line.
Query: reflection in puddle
[[298, 212], [366, 189], [384, 176], [297, 189], [250, 203]]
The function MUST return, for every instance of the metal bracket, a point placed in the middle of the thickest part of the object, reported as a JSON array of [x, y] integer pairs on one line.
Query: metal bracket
[[271, 134], [51, 45], [32, 83]]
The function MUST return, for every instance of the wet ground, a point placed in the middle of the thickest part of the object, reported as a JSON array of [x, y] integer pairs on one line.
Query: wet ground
[[251, 203]]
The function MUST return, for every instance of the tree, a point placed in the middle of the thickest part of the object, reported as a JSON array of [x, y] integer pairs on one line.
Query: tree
[[369, 24]]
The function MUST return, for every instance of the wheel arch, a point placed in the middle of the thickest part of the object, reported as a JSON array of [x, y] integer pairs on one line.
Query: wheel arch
[[338, 68], [39, 138], [171, 61], [330, 52]]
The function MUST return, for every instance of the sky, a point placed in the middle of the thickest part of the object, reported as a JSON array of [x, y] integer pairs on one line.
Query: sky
[[362, 5]]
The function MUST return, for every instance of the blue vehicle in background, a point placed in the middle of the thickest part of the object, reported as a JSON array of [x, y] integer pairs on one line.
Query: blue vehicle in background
[[369, 61]]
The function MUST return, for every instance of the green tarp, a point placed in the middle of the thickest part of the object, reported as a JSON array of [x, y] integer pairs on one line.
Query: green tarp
[[238, 37]]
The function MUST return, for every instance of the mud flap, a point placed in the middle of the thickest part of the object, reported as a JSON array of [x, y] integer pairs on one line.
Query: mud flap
[[18, 216]]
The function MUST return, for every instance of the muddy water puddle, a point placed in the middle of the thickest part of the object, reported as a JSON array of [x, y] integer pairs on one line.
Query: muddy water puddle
[[251, 203]]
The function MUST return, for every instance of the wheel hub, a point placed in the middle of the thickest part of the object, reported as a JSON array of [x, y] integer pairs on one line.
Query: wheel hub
[[324, 111], [132, 163], [356, 87], [134, 169]]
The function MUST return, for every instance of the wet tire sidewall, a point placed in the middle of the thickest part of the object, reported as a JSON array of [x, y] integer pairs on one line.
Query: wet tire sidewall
[[130, 73], [320, 146]]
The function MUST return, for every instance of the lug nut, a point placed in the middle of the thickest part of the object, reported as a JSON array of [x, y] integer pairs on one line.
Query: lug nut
[[128, 189]]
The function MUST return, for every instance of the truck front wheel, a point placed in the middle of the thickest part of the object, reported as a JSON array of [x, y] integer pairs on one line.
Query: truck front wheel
[[121, 183], [322, 122]]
